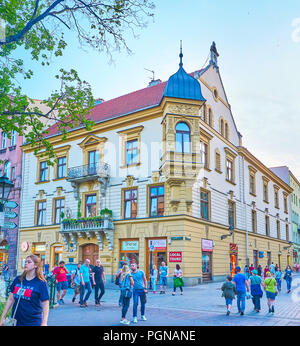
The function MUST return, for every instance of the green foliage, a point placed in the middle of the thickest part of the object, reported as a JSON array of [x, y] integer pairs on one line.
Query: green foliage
[[106, 212], [38, 26]]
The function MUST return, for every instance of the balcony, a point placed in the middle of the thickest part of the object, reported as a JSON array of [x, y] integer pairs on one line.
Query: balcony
[[100, 226], [88, 172]]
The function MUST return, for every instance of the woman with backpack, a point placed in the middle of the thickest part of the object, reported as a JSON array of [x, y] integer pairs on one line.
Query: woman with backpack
[[126, 284], [271, 292], [256, 291]]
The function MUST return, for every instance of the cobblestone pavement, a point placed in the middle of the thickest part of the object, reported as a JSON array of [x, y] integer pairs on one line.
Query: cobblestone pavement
[[199, 306]]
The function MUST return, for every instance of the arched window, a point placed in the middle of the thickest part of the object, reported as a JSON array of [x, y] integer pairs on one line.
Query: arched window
[[183, 138], [222, 127], [210, 120], [226, 130]]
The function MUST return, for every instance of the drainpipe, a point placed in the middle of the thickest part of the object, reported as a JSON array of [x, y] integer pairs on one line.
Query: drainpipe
[[245, 211]]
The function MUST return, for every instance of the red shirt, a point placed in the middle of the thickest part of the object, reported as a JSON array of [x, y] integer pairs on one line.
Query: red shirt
[[61, 274]]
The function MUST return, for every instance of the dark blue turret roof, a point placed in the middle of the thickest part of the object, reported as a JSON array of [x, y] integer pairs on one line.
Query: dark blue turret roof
[[182, 85]]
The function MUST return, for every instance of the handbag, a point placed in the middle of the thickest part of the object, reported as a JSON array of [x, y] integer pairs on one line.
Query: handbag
[[128, 293], [11, 321]]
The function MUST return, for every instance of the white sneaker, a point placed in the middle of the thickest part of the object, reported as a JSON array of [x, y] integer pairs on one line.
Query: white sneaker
[[125, 322], [134, 320], [144, 318]]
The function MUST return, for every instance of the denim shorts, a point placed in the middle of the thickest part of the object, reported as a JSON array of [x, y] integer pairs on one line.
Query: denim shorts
[[228, 301], [270, 295], [63, 285], [163, 281]]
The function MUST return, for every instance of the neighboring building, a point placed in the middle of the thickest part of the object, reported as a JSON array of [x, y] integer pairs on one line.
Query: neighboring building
[[11, 156], [168, 162], [286, 175]]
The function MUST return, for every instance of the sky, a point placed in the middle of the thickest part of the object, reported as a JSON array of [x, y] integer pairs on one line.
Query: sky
[[259, 46]]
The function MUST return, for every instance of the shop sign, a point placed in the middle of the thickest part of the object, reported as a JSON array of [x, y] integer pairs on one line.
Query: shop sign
[[159, 244], [4, 247], [175, 256], [40, 248], [130, 245], [261, 254], [207, 245], [58, 249], [25, 246]]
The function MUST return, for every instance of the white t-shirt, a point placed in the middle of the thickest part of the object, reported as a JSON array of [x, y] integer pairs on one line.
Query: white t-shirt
[[177, 273]]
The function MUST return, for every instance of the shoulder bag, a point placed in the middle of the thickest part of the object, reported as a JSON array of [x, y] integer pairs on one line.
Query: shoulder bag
[[11, 321], [128, 291]]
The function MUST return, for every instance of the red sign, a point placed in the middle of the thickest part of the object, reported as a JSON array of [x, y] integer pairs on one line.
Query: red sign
[[175, 256], [233, 249]]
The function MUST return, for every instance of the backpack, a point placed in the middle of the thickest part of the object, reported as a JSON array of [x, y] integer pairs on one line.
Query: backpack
[[117, 279]]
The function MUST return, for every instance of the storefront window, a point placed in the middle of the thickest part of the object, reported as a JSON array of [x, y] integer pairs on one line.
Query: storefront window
[[129, 251]]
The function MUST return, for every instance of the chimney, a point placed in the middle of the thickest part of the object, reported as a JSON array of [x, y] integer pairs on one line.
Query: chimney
[[98, 101], [154, 82]]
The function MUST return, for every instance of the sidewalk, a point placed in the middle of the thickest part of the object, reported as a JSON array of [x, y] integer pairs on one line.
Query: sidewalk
[[200, 305]]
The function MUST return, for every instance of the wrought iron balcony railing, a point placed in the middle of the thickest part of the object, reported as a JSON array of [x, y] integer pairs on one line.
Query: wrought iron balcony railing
[[87, 171], [95, 224]]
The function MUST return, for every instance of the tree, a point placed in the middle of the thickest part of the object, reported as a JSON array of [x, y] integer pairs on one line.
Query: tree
[[38, 26]]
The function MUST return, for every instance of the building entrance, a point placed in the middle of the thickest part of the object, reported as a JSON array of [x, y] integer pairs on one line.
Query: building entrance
[[91, 252]]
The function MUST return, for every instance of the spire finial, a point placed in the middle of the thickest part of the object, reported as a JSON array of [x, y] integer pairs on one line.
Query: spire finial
[[180, 55]]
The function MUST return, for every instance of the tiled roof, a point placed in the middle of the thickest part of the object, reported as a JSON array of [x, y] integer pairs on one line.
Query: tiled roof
[[125, 104]]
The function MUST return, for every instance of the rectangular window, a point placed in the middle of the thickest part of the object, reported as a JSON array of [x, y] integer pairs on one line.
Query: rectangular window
[[287, 234], [218, 162], [267, 225], [61, 167], [254, 221], [43, 171], [93, 157], [59, 208], [285, 204], [204, 205], [229, 170], [130, 204], [132, 152], [91, 205], [204, 154], [278, 228], [265, 192], [276, 199], [4, 140], [41, 213], [157, 200], [252, 184], [231, 214], [13, 170], [13, 140]]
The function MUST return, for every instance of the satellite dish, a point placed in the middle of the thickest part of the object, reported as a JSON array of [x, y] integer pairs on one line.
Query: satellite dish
[[69, 213]]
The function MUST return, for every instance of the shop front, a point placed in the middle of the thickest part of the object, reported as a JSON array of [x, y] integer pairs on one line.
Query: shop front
[[207, 251], [129, 250], [39, 249], [233, 252], [3, 253], [56, 255], [156, 253]]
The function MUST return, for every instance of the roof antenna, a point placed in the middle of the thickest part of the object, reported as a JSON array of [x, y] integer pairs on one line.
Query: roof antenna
[[153, 78], [180, 55]]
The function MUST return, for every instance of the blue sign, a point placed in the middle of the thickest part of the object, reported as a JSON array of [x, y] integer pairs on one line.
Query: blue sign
[[261, 254]]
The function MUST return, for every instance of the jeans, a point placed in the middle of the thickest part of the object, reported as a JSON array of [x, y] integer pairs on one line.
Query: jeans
[[99, 285], [278, 281], [241, 298], [179, 287], [125, 305], [136, 294], [289, 283], [86, 286], [153, 283], [256, 302]]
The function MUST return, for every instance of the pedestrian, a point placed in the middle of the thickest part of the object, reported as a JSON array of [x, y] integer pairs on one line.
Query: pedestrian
[[272, 269], [178, 281], [276, 267], [270, 288], [29, 296], [259, 270], [251, 268], [153, 278], [99, 281], [139, 291], [164, 273], [60, 274], [278, 276], [117, 279], [266, 270], [75, 281], [46, 269], [5, 271], [85, 283], [288, 276], [256, 291], [295, 267], [229, 292], [241, 286], [126, 284], [246, 271], [298, 267]]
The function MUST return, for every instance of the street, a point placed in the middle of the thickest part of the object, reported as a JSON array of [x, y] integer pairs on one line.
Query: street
[[200, 305]]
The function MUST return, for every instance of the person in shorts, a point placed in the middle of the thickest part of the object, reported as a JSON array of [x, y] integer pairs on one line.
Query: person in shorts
[[60, 273], [163, 272], [270, 288], [229, 292], [75, 281]]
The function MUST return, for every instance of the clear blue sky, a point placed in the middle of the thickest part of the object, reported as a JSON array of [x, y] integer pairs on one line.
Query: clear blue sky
[[259, 64]]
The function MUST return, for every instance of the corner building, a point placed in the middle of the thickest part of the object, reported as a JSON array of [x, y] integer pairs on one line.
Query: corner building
[[162, 176]]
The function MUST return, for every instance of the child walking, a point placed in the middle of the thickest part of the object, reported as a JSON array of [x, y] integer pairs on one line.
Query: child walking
[[229, 292]]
